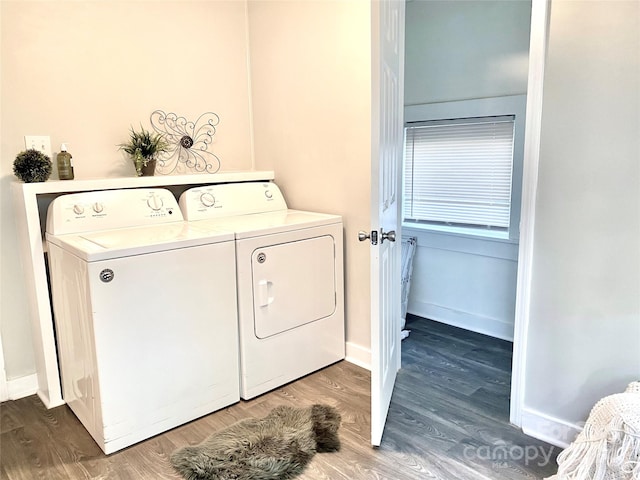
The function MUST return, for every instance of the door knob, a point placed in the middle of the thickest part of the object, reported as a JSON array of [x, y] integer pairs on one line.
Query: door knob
[[362, 236], [390, 235]]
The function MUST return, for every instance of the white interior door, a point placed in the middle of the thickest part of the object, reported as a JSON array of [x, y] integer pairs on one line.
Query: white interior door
[[387, 36]]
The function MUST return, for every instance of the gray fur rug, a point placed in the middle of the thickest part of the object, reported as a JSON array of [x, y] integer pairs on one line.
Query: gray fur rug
[[277, 447]]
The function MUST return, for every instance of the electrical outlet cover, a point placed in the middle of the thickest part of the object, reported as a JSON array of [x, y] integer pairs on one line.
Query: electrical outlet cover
[[42, 143]]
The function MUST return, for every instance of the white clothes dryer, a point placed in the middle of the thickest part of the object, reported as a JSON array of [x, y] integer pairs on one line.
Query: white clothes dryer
[[289, 280], [145, 313]]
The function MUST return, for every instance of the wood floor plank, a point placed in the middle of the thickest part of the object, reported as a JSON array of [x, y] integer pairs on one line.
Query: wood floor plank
[[10, 417], [448, 421]]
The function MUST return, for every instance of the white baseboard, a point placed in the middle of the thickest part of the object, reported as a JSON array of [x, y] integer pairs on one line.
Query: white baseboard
[[457, 318], [22, 386], [4, 389], [358, 355], [4, 392], [549, 429]]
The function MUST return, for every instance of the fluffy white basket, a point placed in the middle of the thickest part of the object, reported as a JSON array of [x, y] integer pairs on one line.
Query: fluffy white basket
[[608, 448]]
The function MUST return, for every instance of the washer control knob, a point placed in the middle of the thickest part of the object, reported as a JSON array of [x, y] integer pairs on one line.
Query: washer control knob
[[78, 209], [207, 199], [98, 207], [268, 194], [154, 203]]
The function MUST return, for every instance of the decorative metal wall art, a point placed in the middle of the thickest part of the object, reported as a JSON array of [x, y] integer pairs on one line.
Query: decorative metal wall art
[[189, 142]]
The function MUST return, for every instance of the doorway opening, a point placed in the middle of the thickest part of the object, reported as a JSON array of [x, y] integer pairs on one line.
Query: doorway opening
[[463, 58]]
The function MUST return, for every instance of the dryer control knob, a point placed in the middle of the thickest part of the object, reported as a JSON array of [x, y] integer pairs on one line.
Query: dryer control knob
[[154, 202], [78, 209], [98, 207], [207, 199], [268, 194]]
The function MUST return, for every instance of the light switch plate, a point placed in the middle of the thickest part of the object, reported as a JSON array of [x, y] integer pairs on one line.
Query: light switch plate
[[42, 143]]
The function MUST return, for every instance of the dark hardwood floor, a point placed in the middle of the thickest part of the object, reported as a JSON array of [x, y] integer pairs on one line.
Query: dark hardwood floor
[[448, 420]]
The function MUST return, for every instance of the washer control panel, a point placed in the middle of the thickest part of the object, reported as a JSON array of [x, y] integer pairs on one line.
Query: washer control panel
[[107, 209], [224, 200]]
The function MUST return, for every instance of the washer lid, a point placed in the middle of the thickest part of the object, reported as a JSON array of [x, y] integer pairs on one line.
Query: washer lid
[[125, 242], [247, 226]]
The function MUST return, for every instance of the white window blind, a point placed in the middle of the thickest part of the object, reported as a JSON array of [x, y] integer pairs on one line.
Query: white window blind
[[458, 172]]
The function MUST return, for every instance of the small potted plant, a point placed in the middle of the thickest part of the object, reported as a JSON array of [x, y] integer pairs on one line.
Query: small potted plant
[[144, 148], [32, 166]]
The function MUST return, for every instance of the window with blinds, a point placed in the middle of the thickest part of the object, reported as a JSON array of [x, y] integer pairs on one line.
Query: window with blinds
[[459, 172]]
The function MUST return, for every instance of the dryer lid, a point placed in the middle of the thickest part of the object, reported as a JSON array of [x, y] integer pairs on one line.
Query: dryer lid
[[248, 226]]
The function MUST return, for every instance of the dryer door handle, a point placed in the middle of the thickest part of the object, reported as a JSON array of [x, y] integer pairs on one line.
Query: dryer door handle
[[265, 293]]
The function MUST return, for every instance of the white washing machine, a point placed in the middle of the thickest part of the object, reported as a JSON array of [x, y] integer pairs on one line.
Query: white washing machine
[[289, 278], [145, 313]]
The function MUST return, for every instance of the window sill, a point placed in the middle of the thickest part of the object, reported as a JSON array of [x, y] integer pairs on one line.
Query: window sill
[[470, 233], [500, 248]]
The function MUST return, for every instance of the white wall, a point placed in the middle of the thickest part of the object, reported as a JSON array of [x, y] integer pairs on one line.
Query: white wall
[[584, 332], [311, 84], [455, 51], [464, 49], [109, 67], [466, 282], [83, 73]]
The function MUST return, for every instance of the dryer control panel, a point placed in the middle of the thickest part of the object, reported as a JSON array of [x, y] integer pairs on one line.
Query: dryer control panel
[[215, 201], [108, 209]]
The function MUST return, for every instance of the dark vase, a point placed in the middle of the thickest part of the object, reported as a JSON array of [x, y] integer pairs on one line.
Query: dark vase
[[149, 169]]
